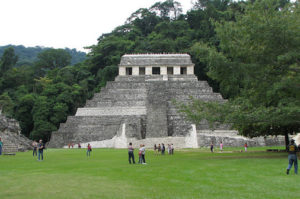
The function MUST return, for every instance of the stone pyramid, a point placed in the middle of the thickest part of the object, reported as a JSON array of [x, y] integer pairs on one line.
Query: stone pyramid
[[140, 100]]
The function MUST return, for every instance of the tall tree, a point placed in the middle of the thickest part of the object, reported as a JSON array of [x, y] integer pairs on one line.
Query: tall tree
[[258, 69]]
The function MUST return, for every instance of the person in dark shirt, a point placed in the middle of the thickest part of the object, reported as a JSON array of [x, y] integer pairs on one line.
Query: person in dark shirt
[[130, 153], [292, 150], [41, 150]]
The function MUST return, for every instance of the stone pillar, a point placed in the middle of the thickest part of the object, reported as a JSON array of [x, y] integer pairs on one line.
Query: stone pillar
[[148, 70], [190, 70], [135, 70], [122, 71], [163, 70], [176, 70]]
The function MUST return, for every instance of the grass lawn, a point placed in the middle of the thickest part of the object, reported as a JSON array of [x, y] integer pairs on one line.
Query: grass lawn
[[68, 173]]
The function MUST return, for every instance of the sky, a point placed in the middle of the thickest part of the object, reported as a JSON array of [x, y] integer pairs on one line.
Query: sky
[[65, 23]]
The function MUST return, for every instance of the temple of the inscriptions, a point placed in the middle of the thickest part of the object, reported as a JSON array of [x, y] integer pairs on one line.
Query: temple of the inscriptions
[[138, 107]]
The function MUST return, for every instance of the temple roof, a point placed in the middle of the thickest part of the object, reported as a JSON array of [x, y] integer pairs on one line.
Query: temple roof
[[156, 60]]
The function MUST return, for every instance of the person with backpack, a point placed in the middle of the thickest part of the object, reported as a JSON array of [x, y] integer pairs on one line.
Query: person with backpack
[[292, 157]]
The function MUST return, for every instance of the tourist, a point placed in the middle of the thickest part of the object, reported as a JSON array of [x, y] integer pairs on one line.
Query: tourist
[[172, 149], [72, 145], [246, 146], [41, 150], [163, 149], [1, 143], [143, 154], [35, 145], [292, 157], [79, 145], [155, 149], [221, 146], [169, 149], [69, 145], [158, 149], [212, 147], [130, 153], [140, 154], [89, 149]]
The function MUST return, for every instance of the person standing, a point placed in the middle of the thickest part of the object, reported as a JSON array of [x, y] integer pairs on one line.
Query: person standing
[[158, 149], [212, 147], [221, 146], [246, 146], [1, 144], [130, 153], [35, 145], [155, 149], [143, 154], [41, 150], [292, 157], [163, 149], [172, 149], [140, 154], [89, 149]]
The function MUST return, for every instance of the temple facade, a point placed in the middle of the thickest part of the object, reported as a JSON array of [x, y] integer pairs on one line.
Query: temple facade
[[139, 107]]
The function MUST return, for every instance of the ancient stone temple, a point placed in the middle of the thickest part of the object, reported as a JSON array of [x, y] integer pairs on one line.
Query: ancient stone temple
[[138, 107]]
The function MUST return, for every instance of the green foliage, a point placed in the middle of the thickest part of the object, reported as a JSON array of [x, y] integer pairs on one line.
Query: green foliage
[[8, 60], [28, 55], [257, 68], [6, 104]]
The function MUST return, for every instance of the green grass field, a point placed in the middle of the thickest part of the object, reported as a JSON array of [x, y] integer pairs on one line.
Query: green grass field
[[68, 173]]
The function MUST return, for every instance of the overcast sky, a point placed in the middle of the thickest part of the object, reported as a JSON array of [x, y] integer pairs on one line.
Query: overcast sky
[[65, 23]]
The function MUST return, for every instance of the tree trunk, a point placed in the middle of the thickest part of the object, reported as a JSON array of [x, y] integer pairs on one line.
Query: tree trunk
[[287, 140]]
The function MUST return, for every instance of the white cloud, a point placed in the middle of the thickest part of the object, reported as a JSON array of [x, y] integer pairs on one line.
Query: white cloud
[[64, 23]]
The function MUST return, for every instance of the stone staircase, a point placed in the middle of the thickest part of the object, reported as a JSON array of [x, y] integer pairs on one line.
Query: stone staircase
[[9, 149], [143, 103]]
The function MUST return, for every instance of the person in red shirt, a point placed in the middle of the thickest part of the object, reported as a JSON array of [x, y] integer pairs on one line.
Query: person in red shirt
[[246, 146], [89, 149]]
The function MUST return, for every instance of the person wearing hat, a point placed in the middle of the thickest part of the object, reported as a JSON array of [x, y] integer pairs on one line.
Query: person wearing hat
[[292, 150]]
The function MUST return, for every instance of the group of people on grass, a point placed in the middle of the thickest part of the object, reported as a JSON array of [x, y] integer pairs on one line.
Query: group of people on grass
[[221, 147], [38, 149], [160, 149]]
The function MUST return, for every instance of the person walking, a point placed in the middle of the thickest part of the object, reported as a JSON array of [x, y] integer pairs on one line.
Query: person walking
[[155, 149], [172, 149], [130, 153], [41, 150], [212, 147], [35, 145], [1, 144], [292, 157], [89, 149]]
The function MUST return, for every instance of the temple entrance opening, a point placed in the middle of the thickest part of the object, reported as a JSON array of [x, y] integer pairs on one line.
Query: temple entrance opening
[[128, 71], [156, 70], [142, 71], [170, 71], [183, 71]]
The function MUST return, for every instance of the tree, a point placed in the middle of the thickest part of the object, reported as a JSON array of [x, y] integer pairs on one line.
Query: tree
[[258, 70], [53, 58], [8, 60]]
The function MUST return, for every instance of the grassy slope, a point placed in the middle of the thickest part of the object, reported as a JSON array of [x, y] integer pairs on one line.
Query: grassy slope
[[106, 174]]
